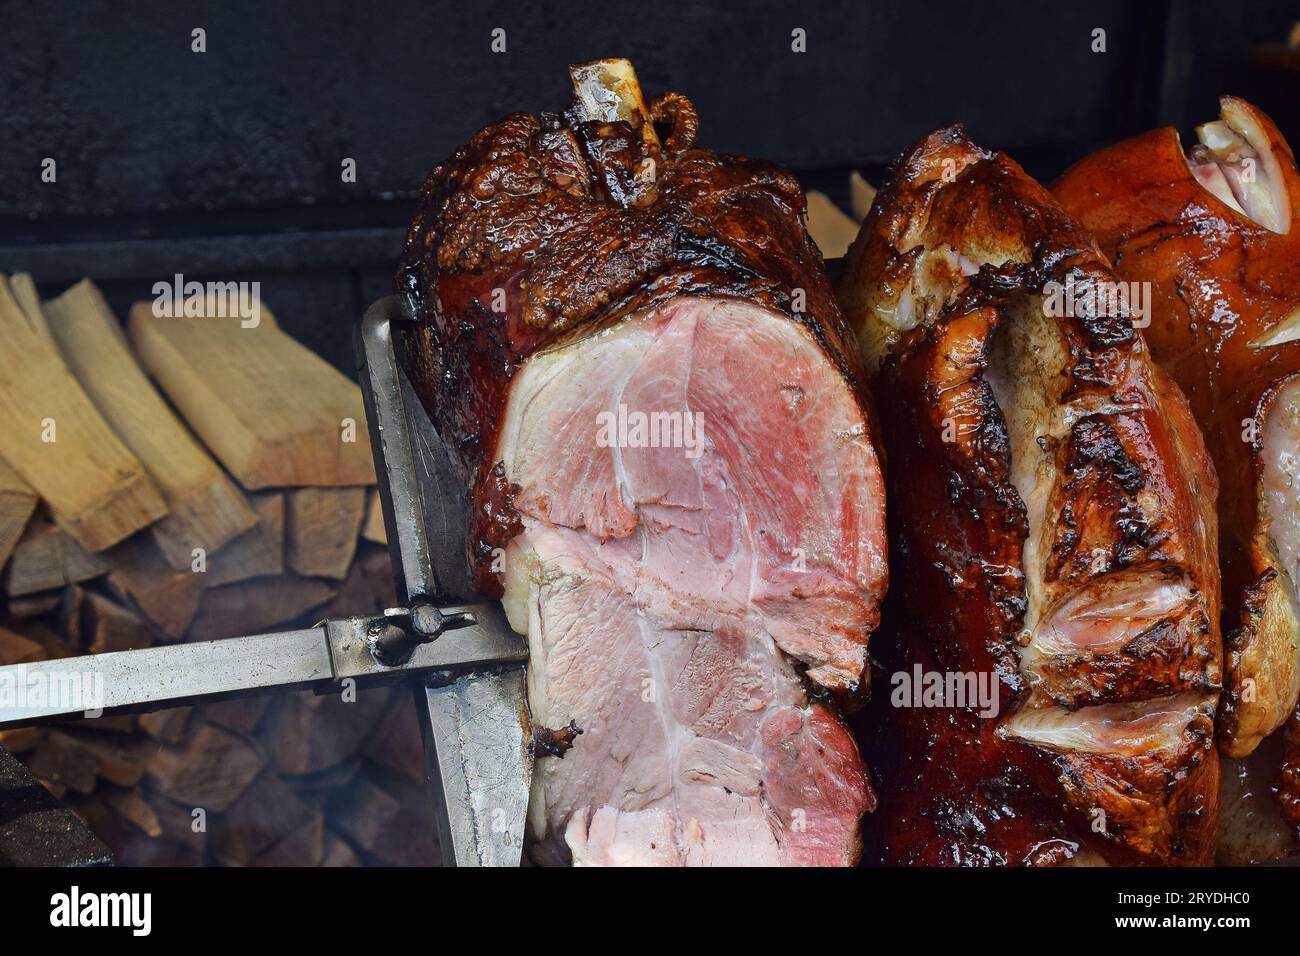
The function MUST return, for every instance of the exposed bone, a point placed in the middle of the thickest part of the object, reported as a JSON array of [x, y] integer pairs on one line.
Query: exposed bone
[[607, 91], [1235, 161]]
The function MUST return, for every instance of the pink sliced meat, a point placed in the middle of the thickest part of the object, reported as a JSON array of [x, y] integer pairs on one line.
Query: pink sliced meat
[[633, 346], [668, 595]]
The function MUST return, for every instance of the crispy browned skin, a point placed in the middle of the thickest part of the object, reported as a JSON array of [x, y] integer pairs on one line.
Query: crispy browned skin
[[964, 241], [1219, 281], [580, 224]]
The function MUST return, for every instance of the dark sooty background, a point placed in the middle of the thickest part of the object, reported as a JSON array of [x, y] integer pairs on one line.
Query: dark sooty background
[[225, 165]]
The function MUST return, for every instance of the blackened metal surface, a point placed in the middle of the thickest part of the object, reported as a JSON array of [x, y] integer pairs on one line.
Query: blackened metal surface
[[37, 830], [474, 724], [226, 165], [138, 122], [422, 485]]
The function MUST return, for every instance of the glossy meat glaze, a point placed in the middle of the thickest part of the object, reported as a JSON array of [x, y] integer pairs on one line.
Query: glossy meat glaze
[[1051, 527], [1214, 233]]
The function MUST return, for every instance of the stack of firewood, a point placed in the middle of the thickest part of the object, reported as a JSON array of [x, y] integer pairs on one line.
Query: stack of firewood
[[193, 478]]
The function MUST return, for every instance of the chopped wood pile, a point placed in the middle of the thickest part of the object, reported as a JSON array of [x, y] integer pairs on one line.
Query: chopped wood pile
[[188, 479]]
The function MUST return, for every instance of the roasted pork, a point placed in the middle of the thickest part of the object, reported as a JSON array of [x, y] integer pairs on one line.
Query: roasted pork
[[1052, 534], [633, 346], [1213, 233]]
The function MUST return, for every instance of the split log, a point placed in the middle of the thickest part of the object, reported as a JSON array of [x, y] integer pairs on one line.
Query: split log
[[275, 413], [302, 846], [29, 300], [395, 744], [240, 714], [257, 552], [308, 733], [318, 787], [106, 626], [109, 824], [52, 645], [267, 813], [374, 529], [95, 488], [373, 818], [205, 509], [830, 227], [48, 557], [62, 761], [861, 195], [210, 770], [179, 823], [143, 829], [118, 760], [338, 853], [169, 726], [321, 526], [134, 808], [16, 649], [252, 607], [34, 605], [17, 502], [21, 739], [368, 588], [167, 597], [72, 610]]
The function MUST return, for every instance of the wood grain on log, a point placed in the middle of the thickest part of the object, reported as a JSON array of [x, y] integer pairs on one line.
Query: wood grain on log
[[53, 436], [275, 413], [17, 502], [322, 525], [251, 607], [257, 552], [47, 557], [205, 509], [167, 597], [210, 770]]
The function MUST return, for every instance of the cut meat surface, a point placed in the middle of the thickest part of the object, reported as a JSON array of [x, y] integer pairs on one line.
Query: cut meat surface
[[772, 515], [633, 347], [660, 587]]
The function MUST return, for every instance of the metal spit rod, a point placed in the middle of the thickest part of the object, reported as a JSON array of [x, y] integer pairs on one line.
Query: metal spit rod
[[467, 664]]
